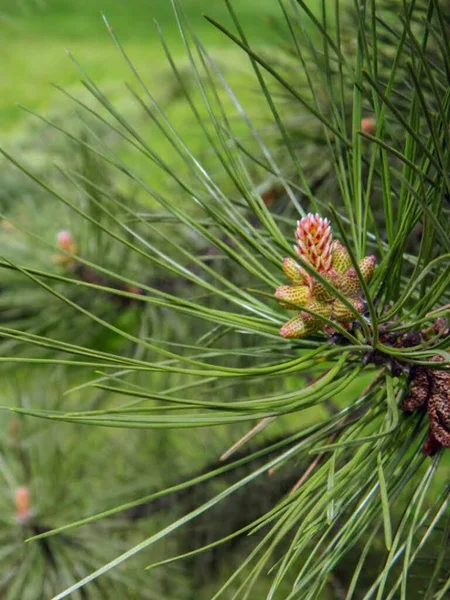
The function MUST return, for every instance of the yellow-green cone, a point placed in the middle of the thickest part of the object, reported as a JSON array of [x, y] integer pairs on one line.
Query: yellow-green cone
[[321, 308], [295, 328], [366, 266], [341, 260], [349, 284], [319, 291], [342, 314], [293, 294], [332, 260], [292, 270]]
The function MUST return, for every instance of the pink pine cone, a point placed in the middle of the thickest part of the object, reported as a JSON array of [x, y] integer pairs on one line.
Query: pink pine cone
[[332, 261], [314, 241], [23, 504], [64, 239]]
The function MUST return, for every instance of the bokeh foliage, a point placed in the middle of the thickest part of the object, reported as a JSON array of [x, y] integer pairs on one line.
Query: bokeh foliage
[[163, 315]]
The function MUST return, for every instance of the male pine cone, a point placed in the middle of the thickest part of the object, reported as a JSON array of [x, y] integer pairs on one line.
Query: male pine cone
[[328, 257]]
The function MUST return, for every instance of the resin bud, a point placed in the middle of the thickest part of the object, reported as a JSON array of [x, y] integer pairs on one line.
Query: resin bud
[[368, 125], [23, 505], [65, 240]]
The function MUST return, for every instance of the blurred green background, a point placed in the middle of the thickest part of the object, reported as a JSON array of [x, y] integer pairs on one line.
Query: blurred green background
[[35, 34], [69, 480]]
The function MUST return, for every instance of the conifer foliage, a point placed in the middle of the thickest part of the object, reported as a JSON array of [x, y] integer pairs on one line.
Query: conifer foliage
[[331, 169]]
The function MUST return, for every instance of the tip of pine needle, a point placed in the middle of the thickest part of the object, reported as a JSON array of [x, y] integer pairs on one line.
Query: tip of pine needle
[[106, 22], [257, 428]]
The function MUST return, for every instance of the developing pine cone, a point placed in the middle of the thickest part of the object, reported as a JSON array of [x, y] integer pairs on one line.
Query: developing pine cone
[[316, 247]]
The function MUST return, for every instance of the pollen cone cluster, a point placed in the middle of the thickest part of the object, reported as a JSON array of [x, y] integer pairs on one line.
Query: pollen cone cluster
[[66, 243], [328, 257]]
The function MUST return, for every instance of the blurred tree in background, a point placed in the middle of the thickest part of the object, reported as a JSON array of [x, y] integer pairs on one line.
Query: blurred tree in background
[[179, 383]]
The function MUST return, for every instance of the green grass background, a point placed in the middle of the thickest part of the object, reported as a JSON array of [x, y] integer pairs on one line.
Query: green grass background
[[35, 34]]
